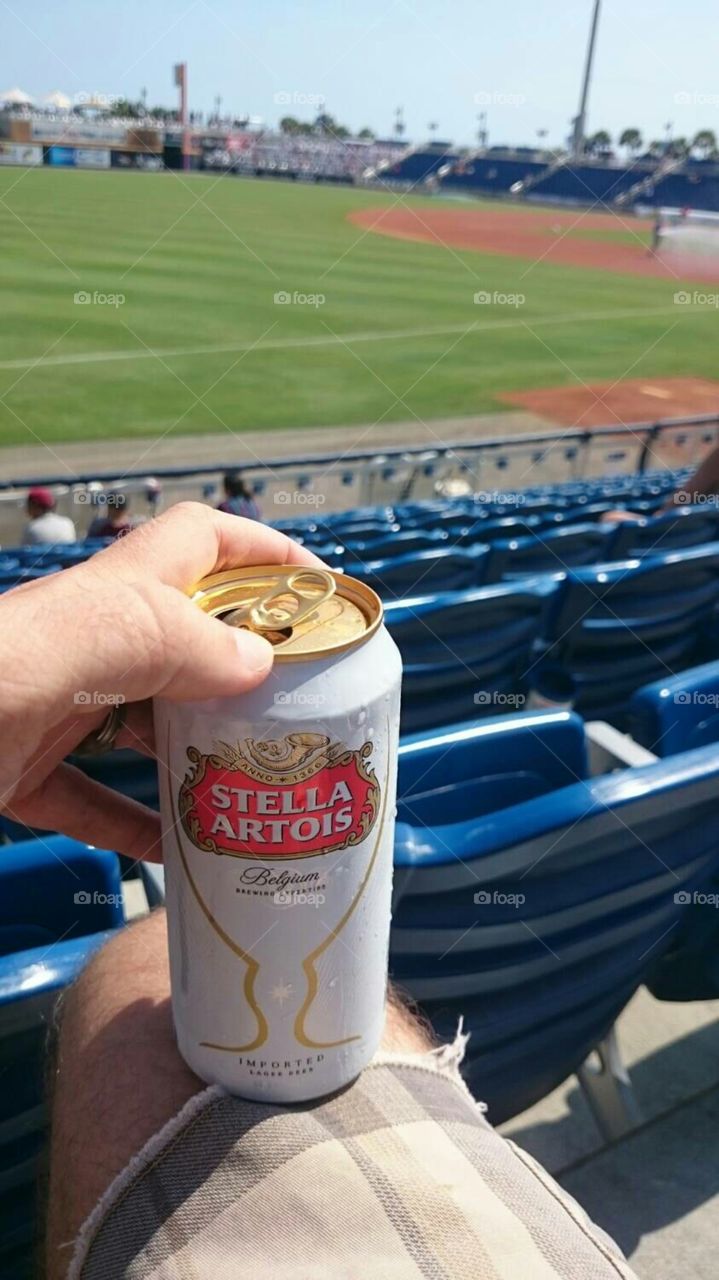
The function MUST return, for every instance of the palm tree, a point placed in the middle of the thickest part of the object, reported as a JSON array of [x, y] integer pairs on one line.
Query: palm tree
[[705, 141], [632, 140], [599, 142], [679, 147]]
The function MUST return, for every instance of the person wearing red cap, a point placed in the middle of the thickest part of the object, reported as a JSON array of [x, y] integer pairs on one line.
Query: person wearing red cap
[[44, 524]]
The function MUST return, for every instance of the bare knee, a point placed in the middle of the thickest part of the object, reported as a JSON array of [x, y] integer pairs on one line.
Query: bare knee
[[118, 1076]]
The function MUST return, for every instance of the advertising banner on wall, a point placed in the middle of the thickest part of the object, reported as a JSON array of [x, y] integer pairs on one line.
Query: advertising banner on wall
[[20, 153], [136, 160], [62, 157], [92, 157]]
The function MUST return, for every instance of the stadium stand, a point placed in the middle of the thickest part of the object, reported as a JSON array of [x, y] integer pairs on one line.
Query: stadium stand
[[582, 877], [693, 183], [498, 602]]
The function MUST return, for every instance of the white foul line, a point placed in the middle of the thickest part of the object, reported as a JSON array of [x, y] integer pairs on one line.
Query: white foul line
[[280, 344]]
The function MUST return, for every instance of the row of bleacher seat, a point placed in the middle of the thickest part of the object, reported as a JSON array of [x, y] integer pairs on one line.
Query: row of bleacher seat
[[473, 554], [605, 630], [483, 626], [530, 898]]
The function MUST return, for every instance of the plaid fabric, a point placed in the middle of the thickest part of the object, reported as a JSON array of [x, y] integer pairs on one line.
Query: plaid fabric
[[399, 1177]]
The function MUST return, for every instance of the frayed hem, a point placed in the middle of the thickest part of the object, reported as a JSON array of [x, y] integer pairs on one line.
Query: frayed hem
[[152, 1148], [444, 1061]]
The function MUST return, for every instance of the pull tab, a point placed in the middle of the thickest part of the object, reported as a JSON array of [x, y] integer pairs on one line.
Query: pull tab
[[264, 615]]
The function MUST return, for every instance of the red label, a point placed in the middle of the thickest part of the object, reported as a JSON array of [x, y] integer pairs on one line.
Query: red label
[[292, 797]]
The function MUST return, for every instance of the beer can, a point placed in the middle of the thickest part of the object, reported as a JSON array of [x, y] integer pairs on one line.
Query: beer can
[[278, 819]]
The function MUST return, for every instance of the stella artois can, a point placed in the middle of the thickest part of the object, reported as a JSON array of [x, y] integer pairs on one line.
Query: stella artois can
[[278, 818]]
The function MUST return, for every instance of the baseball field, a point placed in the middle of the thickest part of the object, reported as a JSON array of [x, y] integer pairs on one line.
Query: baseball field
[[139, 304]]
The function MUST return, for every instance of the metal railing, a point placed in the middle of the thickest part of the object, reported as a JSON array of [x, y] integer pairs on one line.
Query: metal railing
[[295, 486]]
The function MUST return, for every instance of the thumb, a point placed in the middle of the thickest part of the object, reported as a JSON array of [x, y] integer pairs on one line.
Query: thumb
[[196, 656], [143, 641]]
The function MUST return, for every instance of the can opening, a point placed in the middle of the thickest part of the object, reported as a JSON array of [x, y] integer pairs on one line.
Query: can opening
[[234, 618], [291, 600], [303, 612]]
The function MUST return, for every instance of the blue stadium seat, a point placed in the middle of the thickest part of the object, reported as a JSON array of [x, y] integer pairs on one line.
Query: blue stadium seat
[[402, 542], [548, 552], [462, 650], [440, 570], [615, 627], [678, 712], [59, 900], [488, 765], [683, 527], [537, 922], [494, 528]]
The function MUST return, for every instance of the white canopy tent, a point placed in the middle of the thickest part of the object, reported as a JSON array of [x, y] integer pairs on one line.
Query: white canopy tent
[[16, 98], [57, 101]]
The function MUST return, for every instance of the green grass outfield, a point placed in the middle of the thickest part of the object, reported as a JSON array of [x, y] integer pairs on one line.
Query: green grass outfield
[[199, 261]]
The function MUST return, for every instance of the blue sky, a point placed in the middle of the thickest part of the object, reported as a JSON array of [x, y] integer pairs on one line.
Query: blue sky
[[520, 61]]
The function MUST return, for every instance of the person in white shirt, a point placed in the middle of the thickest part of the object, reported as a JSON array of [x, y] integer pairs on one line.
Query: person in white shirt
[[45, 525]]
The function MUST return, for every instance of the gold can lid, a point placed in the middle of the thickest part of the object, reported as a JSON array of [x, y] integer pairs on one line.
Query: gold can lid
[[304, 612]]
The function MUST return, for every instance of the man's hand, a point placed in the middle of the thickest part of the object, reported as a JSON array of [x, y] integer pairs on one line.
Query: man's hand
[[120, 628]]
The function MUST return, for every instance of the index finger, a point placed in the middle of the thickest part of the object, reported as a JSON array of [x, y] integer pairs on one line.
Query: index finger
[[191, 540]]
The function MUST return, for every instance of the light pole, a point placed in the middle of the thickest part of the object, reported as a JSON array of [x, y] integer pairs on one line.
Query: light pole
[[581, 117]]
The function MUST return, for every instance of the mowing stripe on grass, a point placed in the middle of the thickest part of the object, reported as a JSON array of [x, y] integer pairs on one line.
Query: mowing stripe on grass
[[330, 340]]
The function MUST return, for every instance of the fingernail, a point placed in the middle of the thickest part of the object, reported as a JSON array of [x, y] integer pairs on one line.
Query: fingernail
[[255, 652]]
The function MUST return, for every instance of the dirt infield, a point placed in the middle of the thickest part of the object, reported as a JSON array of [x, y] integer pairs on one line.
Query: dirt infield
[[604, 404], [548, 236]]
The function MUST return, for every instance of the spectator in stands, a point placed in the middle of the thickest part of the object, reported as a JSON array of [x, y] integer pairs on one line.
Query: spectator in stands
[[702, 485], [238, 499], [45, 525], [115, 521], [397, 1174]]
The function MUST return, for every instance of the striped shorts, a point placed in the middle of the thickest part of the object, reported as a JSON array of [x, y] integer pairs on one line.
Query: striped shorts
[[397, 1177]]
